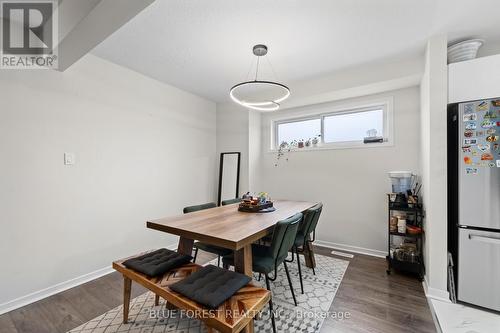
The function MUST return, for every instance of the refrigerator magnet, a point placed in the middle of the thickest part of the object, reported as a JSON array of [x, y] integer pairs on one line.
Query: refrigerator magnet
[[483, 106], [470, 126], [466, 149], [487, 123], [470, 117], [490, 115], [491, 131], [496, 103], [486, 157], [492, 138], [467, 160], [471, 171], [492, 164], [468, 134], [479, 133], [469, 108], [498, 163], [470, 142], [496, 147], [483, 148]]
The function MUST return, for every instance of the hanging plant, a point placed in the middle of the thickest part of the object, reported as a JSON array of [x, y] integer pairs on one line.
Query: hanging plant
[[284, 148]]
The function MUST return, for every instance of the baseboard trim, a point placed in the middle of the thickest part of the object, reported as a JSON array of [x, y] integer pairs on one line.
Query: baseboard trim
[[435, 294], [438, 294], [60, 287], [351, 248], [52, 290], [435, 318]]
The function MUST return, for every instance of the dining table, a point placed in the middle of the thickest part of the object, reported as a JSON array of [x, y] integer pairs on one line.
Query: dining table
[[227, 227]]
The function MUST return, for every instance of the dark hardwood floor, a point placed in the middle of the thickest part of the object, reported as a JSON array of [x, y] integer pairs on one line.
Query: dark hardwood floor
[[376, 302]]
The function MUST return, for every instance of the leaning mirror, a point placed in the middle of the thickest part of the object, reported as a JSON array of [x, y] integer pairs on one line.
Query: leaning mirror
[[229, 176]]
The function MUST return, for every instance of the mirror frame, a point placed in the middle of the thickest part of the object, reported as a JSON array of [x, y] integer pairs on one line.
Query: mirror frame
[[221, 167]]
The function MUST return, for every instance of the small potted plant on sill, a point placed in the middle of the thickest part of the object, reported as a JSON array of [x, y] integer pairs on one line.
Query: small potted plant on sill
[[315, 140], [308, 143], [300, 144]]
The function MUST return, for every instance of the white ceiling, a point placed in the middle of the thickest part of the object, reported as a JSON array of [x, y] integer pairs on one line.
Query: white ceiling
[[205, 46]]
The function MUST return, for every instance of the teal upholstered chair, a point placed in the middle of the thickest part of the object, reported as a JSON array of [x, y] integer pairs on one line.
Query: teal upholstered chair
[[306, 228], [265, 259], [230, 201], [196, 208], [219, 251]]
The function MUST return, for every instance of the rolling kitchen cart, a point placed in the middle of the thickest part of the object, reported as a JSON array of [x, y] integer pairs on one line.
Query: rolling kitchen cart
[[408, 256]]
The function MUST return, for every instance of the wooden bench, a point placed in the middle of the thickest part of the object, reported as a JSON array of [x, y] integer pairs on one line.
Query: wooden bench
[[229, 317]]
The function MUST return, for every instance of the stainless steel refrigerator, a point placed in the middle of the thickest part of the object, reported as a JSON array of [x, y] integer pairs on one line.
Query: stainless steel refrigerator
[[475, 190]]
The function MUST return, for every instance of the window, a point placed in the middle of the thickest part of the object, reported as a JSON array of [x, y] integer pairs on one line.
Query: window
[[352, 126], [299, 130], [343, 128]]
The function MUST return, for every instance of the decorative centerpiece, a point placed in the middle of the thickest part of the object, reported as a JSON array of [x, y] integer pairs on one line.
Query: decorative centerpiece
[[258, 204]]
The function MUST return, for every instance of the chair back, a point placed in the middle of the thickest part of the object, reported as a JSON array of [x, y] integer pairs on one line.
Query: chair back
[[311, 218], [284, 237], [230, 201], [196, 208]]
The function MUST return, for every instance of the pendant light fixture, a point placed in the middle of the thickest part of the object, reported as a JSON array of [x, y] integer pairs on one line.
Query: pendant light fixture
[[259, 94]]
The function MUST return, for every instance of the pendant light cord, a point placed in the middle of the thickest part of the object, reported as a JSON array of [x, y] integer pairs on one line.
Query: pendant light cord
[[272, 69], [257, 68]]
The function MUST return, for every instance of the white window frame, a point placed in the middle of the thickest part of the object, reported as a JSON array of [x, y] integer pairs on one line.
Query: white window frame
[[326, 110]]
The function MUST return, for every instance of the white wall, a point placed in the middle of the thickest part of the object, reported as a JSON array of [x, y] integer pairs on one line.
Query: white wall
[[232, 136], [238, 130], [254, 151], [434, 95], [363, 80], [351, 183], [143, 150]]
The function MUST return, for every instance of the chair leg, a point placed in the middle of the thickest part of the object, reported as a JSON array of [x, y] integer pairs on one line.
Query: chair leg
[[260, 275], [312, 260], [290, 283], [300, 270], [195, 254], [271, 305], [127, 287], [157, 300], [218, 261]]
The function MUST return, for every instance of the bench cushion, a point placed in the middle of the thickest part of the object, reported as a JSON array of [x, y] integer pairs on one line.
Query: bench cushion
[[157, 262], [211, 285]]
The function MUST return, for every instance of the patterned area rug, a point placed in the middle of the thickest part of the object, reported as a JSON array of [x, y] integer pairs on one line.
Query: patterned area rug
[[308, 316]]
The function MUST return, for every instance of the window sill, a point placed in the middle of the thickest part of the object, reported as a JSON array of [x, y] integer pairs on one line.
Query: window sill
[[337, 146]]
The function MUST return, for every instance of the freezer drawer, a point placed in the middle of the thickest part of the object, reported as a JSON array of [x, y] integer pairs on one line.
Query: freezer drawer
[[479, 268]]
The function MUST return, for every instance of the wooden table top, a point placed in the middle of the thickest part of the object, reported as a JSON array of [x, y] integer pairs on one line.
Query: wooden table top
[[226, 226]]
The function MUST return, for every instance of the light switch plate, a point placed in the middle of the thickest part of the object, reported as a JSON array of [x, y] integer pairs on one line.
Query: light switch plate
[[69, 158]]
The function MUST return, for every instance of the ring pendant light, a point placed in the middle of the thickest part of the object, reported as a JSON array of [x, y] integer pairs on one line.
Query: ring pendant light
[[272, 104]]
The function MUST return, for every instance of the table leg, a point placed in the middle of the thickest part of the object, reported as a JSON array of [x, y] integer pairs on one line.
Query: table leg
[[185, 246], [249, 327], [127, 288], [309, 255], [243, 260]]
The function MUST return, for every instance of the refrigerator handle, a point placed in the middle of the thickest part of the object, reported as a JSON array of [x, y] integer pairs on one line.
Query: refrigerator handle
[[485, 239]]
